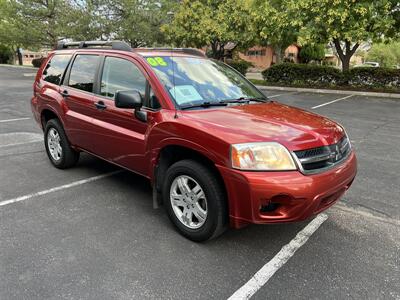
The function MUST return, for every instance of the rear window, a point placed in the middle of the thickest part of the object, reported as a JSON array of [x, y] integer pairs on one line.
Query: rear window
[[55, 68], [83, 72]]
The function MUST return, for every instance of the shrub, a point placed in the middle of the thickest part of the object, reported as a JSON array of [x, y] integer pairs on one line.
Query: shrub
[[240, 65], [373, 77], [6, 55], [326, 76], [37, 62], [312, 52], [288, 73]]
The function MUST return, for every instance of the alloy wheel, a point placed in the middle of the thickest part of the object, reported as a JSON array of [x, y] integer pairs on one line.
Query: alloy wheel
[[54, 144], [188, 201]]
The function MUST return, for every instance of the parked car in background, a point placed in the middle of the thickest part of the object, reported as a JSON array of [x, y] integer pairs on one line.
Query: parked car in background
[[216, 151]]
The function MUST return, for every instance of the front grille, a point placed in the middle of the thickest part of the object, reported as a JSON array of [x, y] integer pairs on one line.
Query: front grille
[[319, 159]]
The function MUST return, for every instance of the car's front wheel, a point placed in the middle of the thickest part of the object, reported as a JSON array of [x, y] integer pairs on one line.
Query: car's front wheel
[[58, 149], [195, 200]]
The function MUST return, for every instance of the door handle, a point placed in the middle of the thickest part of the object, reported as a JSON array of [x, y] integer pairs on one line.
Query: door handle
[[64, 93], [100, 105]]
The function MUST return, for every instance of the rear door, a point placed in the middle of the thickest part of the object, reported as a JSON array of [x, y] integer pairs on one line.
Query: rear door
[[47, 85], [77, 90], [120, 136]]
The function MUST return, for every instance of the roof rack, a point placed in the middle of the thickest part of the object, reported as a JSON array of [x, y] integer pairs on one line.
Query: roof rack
[[191, 51], [115, 45]]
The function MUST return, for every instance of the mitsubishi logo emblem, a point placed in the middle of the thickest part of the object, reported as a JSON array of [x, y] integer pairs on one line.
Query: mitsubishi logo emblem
[[338, 154]]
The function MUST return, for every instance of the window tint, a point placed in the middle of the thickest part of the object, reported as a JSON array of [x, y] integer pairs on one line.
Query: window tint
[[121, 75], [83, 72], [55, 68]]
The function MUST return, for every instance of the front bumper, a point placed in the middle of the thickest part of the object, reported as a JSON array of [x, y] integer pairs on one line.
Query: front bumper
[[276, 197]]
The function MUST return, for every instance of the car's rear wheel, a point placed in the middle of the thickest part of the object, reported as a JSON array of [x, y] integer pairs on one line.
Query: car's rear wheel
[[195, 200], [58, 149]]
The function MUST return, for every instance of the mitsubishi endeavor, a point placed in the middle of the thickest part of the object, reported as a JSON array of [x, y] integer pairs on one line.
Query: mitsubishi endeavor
[[217, 152]]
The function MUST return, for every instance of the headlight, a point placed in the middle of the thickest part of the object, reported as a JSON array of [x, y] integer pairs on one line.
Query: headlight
[[261, 156]]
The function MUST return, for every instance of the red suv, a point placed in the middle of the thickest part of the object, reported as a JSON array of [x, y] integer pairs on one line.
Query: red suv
[[216, 150]]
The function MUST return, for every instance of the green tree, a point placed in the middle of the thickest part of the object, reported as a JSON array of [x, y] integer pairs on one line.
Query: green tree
[[272, 25], [346, 23], [138, 22], [210, 22], [35, 23], [91, 20], [388, 55], [311, 52]]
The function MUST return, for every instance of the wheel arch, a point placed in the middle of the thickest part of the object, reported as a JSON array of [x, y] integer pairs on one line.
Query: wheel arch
[[47, 114], [172, 153]]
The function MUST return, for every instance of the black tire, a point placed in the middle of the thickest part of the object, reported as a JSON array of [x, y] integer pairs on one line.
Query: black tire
[[69, 157], [217, 210]]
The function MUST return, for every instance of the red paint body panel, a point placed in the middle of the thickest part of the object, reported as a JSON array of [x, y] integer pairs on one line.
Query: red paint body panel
[[299, 196], [117, 136]]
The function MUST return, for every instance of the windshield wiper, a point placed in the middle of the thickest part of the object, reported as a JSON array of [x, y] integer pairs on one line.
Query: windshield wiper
[[245, 99], [204, 104]]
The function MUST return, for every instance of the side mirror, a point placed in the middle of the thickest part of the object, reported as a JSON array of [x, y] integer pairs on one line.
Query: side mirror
[[131, 99], [128, 99]]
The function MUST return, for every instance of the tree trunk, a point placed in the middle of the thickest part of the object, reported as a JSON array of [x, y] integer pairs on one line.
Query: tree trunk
[[217, 49], [345, 54], [345, 63], [278, 54], [214, 49], [19, 55]]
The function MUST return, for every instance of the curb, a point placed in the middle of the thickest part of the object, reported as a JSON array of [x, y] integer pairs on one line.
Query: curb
[[19, 67], [324, 91]]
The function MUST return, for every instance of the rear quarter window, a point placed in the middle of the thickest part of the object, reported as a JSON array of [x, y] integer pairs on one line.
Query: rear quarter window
[[54, 70]]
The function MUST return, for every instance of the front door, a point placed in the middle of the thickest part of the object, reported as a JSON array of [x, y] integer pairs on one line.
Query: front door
[[120, 136]]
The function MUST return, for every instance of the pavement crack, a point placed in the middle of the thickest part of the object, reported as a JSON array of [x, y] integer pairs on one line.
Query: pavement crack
[[373, 130], [367, 212]]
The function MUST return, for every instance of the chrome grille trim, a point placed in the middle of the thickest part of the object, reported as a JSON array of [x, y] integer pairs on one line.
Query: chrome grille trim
[[321, 159], [314, 158]]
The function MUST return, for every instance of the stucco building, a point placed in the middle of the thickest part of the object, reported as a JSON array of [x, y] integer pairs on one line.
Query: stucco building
[[263, 57]]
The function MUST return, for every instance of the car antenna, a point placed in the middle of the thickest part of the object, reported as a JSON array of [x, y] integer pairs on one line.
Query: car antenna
[[173, 83]]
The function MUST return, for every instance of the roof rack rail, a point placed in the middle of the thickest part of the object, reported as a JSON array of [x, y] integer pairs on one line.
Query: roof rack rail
[[115, 45], [192, 51]]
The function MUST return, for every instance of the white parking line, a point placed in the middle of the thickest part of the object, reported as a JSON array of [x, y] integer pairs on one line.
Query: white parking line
[[19, 138], [269, 269], [58, 188], [17, 144], [333, 101], [13, 120]]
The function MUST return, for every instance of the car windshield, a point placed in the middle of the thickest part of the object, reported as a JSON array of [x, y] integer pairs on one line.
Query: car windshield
[[195, 81]]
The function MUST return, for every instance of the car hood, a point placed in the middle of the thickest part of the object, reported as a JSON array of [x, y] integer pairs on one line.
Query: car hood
[[294, 128]]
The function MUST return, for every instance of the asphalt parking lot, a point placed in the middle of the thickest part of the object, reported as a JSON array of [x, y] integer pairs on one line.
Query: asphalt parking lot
[[91, 232]]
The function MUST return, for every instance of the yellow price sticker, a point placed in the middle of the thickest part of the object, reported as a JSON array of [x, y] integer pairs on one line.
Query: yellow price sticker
[[157, 61]]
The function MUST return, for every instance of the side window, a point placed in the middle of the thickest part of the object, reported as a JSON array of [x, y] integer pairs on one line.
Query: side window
[[119, 75], [55, 68], [83, 72]]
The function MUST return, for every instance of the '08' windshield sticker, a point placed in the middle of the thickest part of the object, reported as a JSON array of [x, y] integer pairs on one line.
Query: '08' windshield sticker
[[157, 61]]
